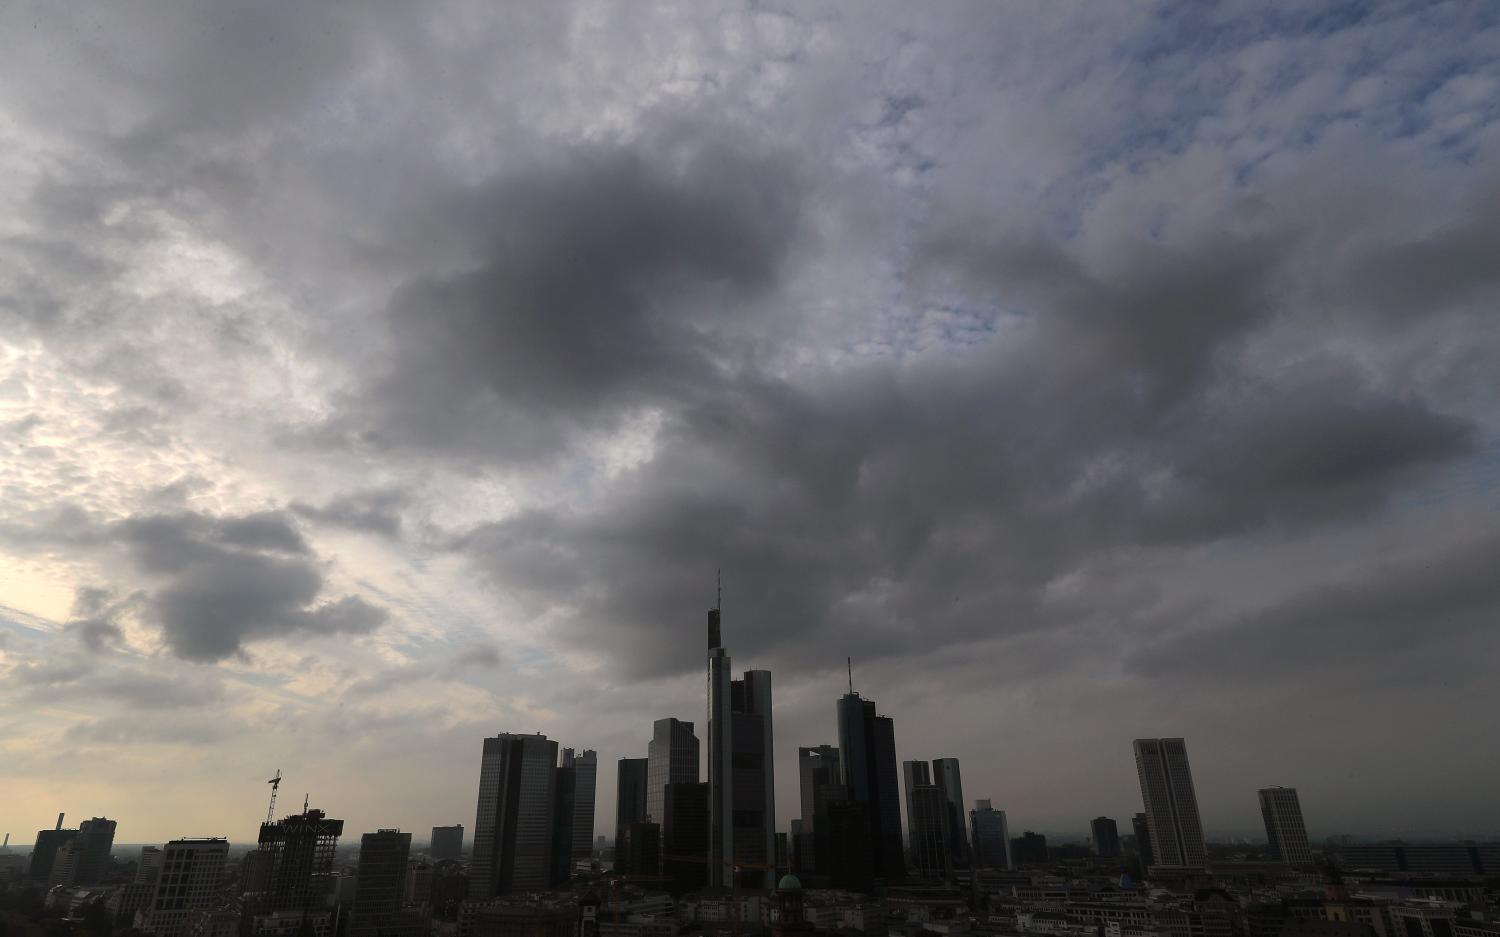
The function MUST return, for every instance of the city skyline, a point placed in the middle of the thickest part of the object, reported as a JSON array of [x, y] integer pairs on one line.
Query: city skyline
[[378, 378]]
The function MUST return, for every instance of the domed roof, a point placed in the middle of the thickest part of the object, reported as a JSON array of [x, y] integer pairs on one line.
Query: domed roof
[[789, 882]]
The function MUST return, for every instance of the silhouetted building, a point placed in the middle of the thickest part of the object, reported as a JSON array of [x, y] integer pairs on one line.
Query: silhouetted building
[[1142, 831], [671, 758], [300, 852], [187, 882], [684, 836], [844, 846], [44, 851], [930, 852], [563, 803], [754, 797], [1282, 813], [991, 836], [816, 767], [1029, 849], [380, 885], [1171, 803], [1104, 837], [630, 804], [513, 823], [720, 759], [867, 747], [641, 845], [949, 780], [83, 859], [447, 842], [585, 786]]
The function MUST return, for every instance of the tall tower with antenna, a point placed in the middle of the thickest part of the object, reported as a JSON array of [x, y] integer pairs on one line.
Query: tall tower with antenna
[[720, 751]]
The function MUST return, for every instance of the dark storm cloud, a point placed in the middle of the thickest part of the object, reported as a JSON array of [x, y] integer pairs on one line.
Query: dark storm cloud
[[229, 580], [897, 506], [608, 279], [1410, 613], [376, 512]]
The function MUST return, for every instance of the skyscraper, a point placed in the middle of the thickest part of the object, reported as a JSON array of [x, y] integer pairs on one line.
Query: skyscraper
[[1142, 831], [1171, 803], [949, 780], [1104, 837], [514, 818], [684, 835], [630, 804], [720, 760], [447, 842], [379, 888], [991, 836], [815, 767], [585, 784], [563, 803], [928, 818], [89, 859], [1282, 812], [867, 747], [754, 794], [914, 774], [672, 758], [188, 881]]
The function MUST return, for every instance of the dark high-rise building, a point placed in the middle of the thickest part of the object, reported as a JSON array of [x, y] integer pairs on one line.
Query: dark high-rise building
[[741, 770], [563, 794], [447, 842], [671, 758], [930, 852], [684, 836], [1171, 803], [380, 886], [754, 796], [845, 851], [89, 859], [630, 804], [991, 836], [914, 774], [867, 747], [816, 767], [1142, 831], [946, 776], [641, 845], [585, 784], [513, 823], [1104, 837], [299, 851], [1029, 849], [720, 759], [1282, 813], [44, 851]]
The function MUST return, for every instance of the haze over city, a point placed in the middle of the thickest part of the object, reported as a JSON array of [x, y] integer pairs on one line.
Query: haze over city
[[378, 378]]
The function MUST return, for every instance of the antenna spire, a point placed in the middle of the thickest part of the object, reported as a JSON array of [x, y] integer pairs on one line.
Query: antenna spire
[[719, 589], [849, 662]]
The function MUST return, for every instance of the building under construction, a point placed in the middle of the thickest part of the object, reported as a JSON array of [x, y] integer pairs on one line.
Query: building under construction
[[294, 867]]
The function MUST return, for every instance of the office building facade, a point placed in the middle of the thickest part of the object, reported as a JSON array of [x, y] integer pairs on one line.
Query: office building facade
[[187, 881], [671, 758], [1171, 804], [1281, 810], [949, 779], [867, 748], [630, 804], [447, 842], [991, 836], [380, 884], [1104, 837], [513, 822]]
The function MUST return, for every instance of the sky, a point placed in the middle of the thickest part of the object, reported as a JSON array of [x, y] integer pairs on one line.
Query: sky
[[378, 377]]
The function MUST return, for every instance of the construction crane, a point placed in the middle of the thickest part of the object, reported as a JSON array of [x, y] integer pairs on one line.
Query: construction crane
[[275, 784]]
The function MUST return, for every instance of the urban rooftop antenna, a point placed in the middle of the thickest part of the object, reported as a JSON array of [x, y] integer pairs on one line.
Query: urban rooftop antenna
[[849, 662], [719, 590]]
